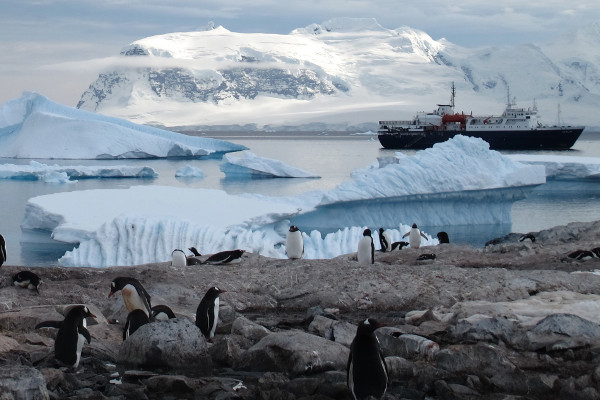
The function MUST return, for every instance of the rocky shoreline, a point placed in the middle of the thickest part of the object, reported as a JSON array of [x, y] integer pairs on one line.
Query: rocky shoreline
[[516, 320]]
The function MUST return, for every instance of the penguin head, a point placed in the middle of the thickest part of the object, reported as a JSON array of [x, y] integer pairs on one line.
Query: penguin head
[[294, 228], [194, 251], [381, 231], [119, 283], [214, 292], [368, 326], [367, 232], [177, 251], [414, 226], [80, 311]]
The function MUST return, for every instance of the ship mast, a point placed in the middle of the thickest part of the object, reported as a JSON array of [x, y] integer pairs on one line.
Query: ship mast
[[452, 95]]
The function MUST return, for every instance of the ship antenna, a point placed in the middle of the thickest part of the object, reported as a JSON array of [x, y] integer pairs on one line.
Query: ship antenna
[[452, 95], [558, 114]]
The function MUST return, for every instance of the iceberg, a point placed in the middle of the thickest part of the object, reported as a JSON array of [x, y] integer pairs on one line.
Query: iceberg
[[38, 171], [33, 126], [460, 182], [563, 167], [253, 166], [189, 171]]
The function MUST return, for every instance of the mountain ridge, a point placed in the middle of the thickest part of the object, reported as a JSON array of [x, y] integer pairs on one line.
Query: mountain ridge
[[339, 74]]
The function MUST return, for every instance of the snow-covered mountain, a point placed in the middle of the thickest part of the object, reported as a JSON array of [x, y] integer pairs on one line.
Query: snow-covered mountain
[[342, 74]]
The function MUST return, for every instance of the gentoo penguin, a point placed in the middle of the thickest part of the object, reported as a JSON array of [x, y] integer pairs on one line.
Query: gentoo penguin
[[71, 334], [135, 319], [527, 236], [2, 250], [596, 251], [366, 248], [134, 294], [414, 237], [27, 279], [162, 312], [426, 257], [385, 240], [581, 255], [194, 251], [367, 373], [294, 244], [207, 313], [443, 237], [225, 257], [178, 258], [399, 245]]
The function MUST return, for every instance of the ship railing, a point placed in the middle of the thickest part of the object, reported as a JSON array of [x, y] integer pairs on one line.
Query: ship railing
[[395, 123]]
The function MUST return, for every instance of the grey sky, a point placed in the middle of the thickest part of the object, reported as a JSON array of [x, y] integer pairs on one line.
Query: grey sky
[[38, 38]]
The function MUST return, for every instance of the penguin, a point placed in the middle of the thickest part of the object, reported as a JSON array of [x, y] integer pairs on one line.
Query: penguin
[[414, 237], [178, 258], [443, 237], [581, 255], [527, 236], [426, 257], [162, 312], [367, 373], [398, 245], [225, 257], [28, 280], [596, 251], [385, 240], [135, 319], [72, 334], [134, 294], [366, 248], [294, 244], [207, 313], [194, 251], [2, 250]]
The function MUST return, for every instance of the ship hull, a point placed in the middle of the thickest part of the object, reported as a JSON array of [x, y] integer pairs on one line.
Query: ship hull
[[537, 139]]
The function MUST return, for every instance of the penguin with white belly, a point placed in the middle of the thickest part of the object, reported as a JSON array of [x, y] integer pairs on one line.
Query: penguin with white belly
[[366, 248], [414, 237], [71, 336], [294, 244], [134, 294], [207, 314]]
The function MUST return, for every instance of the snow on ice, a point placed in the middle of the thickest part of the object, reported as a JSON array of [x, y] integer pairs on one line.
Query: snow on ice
[[252, 166], [145, 223], [32, 126], [563, 167]]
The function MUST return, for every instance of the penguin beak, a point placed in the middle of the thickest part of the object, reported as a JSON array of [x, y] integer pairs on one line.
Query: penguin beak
[[110, 294]]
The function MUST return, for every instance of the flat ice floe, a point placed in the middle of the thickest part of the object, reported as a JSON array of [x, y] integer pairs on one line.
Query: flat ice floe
[[32, 126], [48, 173], [252, 166], [563, 167]]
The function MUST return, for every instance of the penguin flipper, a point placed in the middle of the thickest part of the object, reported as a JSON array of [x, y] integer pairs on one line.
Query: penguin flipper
[[86, 334], [49, 324]]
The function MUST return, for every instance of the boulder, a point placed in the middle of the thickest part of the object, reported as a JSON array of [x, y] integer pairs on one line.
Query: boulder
[[252, 331], [23, 383], [494, 330], [336, 331], [175, 343], [394, 343], [563, 331], [294, 352]]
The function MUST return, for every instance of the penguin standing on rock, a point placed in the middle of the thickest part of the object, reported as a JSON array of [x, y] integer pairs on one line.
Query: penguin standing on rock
[[135, 319], [385, 240], [134, 294], [294, 243], [225, 257], [414, 237], [2, 250], [366, 248], [72, 334], [28, 280], [178, 258], [367, 373], [207, 313]]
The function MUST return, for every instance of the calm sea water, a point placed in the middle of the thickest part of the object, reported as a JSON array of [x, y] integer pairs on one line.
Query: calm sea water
[[331, 157]]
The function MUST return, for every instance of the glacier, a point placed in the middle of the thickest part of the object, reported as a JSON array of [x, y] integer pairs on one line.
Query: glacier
[[252, 166], [145, 223], [33, 126], [39, 171]]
